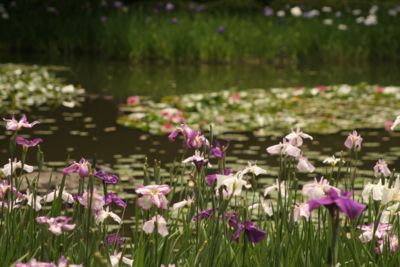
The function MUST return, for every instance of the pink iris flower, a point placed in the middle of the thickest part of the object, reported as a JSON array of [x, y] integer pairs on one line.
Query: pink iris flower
[[161, 223], [284, 148], [82, 168], [381, 167], [153, 194], [28, 143], [296, 137], [353, 141], [14, 125], [57, 225]]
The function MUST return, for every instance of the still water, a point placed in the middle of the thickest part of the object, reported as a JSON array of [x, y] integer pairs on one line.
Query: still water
[[90, 130]]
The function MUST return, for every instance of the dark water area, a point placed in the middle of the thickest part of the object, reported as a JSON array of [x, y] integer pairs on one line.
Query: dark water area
[[121, 78], [91, 131]]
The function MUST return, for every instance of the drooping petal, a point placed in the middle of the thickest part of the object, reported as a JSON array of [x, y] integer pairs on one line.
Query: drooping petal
[[349, 207]]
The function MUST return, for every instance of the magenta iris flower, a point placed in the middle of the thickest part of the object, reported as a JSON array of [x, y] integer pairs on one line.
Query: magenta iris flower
[[218, 150], [232, 218], [28, 143], [342, 202], [193, 139], [82, 168], [111, 197], [114, 239], [252, 233], [107, 178], [14, 125], [205, 214]]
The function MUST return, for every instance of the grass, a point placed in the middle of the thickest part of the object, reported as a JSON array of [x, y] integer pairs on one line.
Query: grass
[[141, 35]]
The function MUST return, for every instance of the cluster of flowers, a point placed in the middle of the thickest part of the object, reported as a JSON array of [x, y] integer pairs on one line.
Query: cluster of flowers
[[23, 87], [367, 17], [317, 193], [223, 185], [99, 204], [267, 112]]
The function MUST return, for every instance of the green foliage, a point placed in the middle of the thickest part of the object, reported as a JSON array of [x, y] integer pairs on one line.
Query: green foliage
[[141, 35]]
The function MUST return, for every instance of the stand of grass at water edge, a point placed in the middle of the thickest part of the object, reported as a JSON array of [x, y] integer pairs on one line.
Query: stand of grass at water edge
[[140, 35], [213, 240]]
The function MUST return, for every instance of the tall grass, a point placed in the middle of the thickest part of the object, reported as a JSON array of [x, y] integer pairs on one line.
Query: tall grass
[[215, 239], [141, 35]]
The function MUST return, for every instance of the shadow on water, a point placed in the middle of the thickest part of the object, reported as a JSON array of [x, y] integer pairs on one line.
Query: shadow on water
[[121, 79]]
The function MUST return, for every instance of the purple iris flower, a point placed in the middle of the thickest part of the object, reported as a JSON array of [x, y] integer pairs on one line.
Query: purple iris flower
[[218, 150], [253, 233], [193, 139], [205, 214], [232, 218], [114, 239], [28, 143], [107, 177], [342, 202], [111, 197], [210, 179]]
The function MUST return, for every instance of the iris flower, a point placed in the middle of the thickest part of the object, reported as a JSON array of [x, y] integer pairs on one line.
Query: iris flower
[[111, 197], [253, 234], [353, 141], [57, 225], [117, 257], [317, 189], [28, 143], [301, 210], [304, 165], [211, 178], [284, 148], [97, 200], [218, 150], [368, 231], [82, 168], [193, 139], [102, 214], [198, 160], [162, 229], [107, 177], [254, 169], [296, 137], [233, 184], [381, 167], [153, 194], [342, 202], [14, 125], [10, 168]]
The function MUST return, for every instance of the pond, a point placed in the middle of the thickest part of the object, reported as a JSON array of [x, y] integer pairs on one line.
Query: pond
[[91, 130]]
